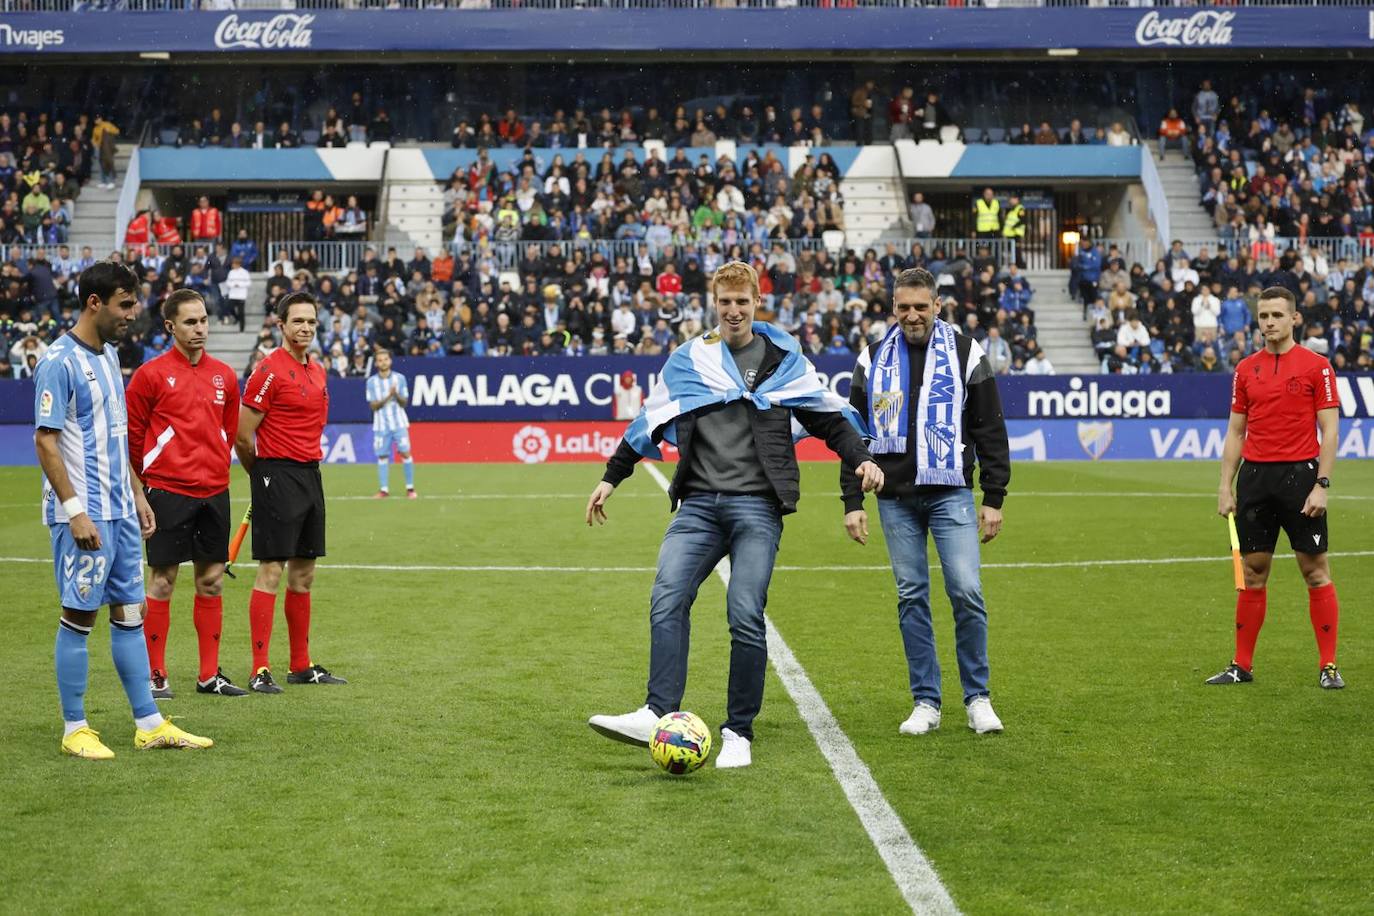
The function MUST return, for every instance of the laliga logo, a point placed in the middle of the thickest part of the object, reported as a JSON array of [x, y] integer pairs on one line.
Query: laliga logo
[[287, 30], [1199, 30], [531, 444]]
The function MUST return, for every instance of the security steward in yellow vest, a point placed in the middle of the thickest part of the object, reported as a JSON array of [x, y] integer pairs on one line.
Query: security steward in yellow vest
[[1014, 226], [987, 213]]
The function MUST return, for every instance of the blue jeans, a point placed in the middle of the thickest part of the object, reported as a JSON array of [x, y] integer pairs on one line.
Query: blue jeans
[[707, 527], [949, 515]]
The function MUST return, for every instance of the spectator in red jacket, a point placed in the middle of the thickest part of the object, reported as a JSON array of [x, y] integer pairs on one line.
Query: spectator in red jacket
[[1172, 130], [899, 114], [669, 282], [140, 229], [206, 222], [511, 130]]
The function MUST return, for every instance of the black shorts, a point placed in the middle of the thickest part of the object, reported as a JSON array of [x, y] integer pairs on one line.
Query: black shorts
[[188, 528], [288, 509], [1270, 496]]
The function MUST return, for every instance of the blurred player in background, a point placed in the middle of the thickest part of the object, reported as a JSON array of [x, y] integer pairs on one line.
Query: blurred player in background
[[629, 397], [388, 393], [1280, 396], [183, 413], [96, 517], [278, 444]]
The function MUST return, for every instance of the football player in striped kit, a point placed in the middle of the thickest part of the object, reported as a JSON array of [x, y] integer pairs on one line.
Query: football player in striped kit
[[96, 518], [388, 393]]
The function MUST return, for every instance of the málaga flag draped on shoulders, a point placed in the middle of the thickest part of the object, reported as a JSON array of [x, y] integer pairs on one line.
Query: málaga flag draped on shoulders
[[702, 372]]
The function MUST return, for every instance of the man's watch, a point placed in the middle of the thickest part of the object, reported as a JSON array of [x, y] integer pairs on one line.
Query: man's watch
[[1324, 482]]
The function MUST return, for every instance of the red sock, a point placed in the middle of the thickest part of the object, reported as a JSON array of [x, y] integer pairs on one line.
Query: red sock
[[155, 625], [1249, 619], [298, 628], [262, 607], [1325, 612], [208, 617]]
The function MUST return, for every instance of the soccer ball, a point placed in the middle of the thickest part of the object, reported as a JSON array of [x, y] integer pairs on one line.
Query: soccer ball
[[681, 742]]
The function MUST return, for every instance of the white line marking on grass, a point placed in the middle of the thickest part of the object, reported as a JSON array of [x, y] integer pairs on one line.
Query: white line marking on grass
[[1067, 564], [430, 497], [916, 879]]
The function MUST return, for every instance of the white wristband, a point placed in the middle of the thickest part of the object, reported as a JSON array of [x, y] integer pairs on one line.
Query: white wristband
[[73, 507]]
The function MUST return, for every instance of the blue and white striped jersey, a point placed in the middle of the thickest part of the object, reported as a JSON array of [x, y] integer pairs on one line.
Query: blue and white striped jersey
[[392, 416], [79, 392]]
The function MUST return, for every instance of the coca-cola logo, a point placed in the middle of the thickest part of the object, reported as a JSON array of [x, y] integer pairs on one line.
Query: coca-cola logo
[[286, 30], [1200, 30]]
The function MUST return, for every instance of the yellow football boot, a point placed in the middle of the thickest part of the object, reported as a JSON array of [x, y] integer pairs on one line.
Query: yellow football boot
[[85, 742], [168, 735]]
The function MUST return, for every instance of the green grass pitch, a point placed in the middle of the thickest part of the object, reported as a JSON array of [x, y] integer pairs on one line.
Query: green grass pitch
[[456, 772]]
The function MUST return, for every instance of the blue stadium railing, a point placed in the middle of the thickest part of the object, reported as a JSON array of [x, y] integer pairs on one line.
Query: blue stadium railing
[[478, 5]]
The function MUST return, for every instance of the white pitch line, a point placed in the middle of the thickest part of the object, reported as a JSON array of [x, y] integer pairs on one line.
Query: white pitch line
[[1067, 564], [916, 879]]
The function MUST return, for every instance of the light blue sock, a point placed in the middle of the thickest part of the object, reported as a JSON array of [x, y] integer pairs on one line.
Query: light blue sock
[[409, 465], [73, 664], [384, 473], [131, 661]]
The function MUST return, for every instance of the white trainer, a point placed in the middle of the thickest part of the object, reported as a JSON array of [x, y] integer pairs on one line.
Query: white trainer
[[923, 719], [981, 718], [734, 751], [632, 728]]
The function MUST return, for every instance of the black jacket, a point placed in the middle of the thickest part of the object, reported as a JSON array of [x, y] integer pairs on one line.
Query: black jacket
[[985, 431], [772, 440]]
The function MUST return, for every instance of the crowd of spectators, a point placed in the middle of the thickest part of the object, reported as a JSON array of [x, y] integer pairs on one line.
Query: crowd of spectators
[[576, 302], [709, 203], [1195, 311], [1299, 172], [43, 165]]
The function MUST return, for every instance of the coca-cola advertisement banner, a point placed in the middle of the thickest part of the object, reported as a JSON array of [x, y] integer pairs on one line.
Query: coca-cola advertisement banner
[[899, 29]]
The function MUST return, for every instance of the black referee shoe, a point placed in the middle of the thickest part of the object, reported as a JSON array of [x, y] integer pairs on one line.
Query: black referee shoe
[[262, 682], [1234, 674], [313, 675], [221, 685], [161, 689], [1331, 678]]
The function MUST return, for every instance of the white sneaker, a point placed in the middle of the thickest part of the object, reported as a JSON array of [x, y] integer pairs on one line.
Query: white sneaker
[[981, 718], [632, 728], [924, 718], [734, 751]]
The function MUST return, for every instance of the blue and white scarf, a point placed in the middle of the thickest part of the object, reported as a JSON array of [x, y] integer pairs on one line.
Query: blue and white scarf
[[702, 372], [940, 458]]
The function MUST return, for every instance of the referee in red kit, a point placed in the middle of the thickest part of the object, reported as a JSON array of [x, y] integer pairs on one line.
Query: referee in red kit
[[183, 409], [286, 404], [1280, 396]]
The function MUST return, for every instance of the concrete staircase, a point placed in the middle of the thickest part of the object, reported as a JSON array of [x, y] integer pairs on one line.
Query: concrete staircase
[[93, 219], [231, 345], [1187, 218], [1063, 333], [874, 209], [414, 203]]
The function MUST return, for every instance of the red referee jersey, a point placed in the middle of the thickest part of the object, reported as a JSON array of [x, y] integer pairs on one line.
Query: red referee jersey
[[1280, 394], [294, 401], [182, 421]]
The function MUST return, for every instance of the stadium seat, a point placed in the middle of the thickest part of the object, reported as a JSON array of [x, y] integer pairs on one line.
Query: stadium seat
[[168, 136], [310, 136], [995, 135], [725, 149], [834, 241], [949, 133]]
